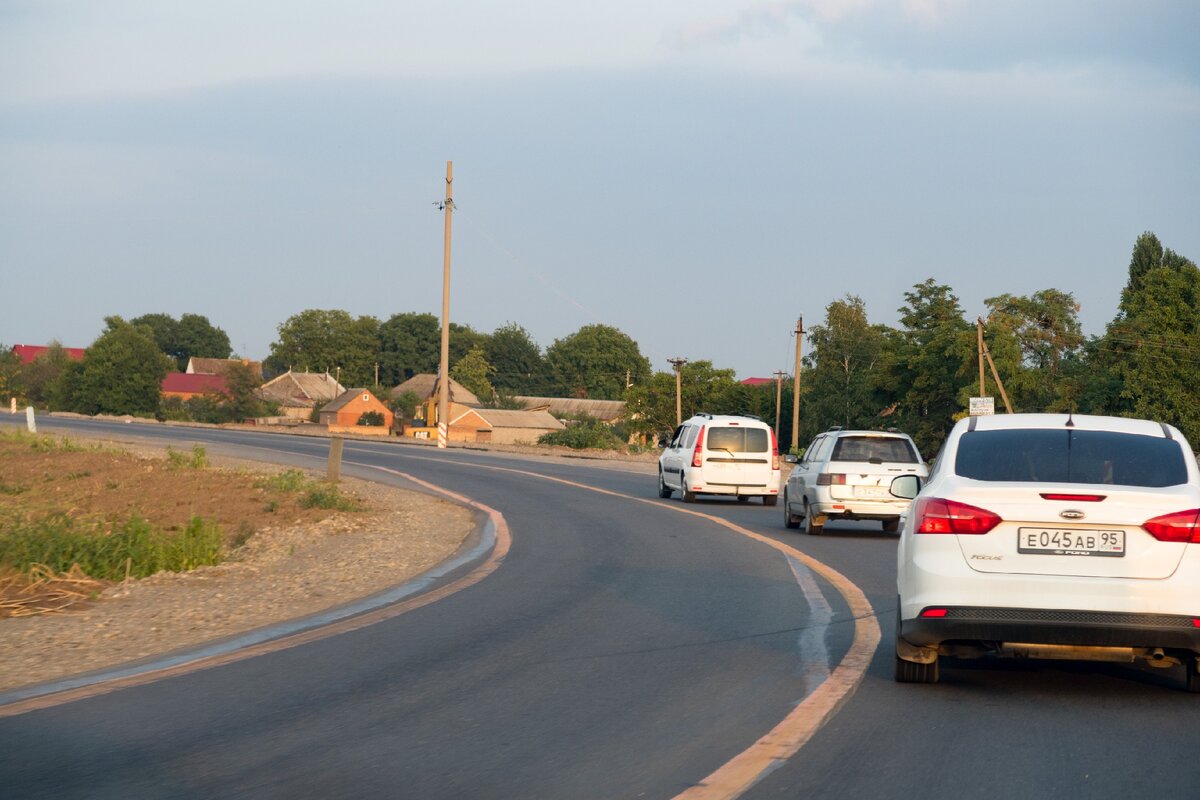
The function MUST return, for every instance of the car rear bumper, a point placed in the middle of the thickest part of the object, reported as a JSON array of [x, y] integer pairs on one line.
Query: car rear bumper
[[860, 509], [1053, 626]]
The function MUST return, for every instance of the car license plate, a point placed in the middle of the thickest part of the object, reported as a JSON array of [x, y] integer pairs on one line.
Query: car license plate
[[871, 491], [1069, 542]]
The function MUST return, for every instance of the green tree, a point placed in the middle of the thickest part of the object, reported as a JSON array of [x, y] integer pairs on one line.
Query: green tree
[[121, 373], [244, 401], [933, 364], [1047, 332], [10, 374], [473, 371], [520, 367], [410, 344], [463, 339], [847, 368], [594, 362], [190, 335], [650, 404], [319, 340], [41, 380]]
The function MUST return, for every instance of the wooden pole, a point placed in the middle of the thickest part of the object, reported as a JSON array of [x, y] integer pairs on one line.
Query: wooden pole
[[996, 375], [444, 370], [979, 333], [678, 364], [778, 399], [334, 471], [796, 384]]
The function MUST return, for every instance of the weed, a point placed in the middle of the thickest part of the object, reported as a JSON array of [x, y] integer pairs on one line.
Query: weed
[[245, 531], [272, 507], [77, 475], [111, 485], [326, 495], [6, 489], [291, 480], [180, 460]]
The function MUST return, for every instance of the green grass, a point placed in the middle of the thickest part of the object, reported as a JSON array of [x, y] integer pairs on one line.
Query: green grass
[[197, 459], [44, 443], [291, 480], [135, 549], [326, 495]]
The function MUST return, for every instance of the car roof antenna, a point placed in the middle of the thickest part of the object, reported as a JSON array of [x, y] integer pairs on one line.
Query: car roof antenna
[[1070, 416]]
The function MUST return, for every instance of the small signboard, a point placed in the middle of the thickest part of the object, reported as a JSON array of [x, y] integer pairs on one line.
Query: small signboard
[[983, 406]]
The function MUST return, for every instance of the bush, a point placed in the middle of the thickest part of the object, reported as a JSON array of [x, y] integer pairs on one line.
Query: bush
[[584, 434], [372, 418], [326, 495]]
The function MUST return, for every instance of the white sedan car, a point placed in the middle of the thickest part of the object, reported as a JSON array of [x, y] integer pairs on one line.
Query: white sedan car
[[1052, 536]]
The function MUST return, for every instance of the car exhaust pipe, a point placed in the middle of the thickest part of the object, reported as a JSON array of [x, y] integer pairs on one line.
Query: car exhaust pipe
[[1154, 656]]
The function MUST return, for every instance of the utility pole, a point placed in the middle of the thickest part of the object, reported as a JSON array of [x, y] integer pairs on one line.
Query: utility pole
[[444, 369], [376, 373], [778, 398], [979, 332], [678, 364], [796, 389]]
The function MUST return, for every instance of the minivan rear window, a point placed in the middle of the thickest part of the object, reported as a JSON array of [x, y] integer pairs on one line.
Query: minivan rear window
[[1069, 456], [883, 448], [739, 440]]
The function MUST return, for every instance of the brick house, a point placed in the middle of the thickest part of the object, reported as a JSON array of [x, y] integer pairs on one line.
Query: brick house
[[185, 386], [342, 415]]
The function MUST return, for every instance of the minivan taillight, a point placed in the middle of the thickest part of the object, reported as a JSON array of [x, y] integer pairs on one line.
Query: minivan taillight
[[936, 515], [698, 453], [774, 451], [831, 479], [1182, 526]]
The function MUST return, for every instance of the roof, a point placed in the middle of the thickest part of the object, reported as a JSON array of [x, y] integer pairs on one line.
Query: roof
[[28, 352], [423, 386], [218, 366], [506, 418], [1078, 422], [757, 381], [598, 409], [304, 389], [183, 382], [343, 399]]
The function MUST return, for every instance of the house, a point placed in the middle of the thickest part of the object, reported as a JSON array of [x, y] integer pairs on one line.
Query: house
[[342, 415], [28, 352], [298, 393], [185, 386], [608, 411], [757, 382], [425, 387], [219, 366], [499, 426]]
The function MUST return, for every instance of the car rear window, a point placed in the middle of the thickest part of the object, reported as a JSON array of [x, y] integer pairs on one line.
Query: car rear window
[[1069, 456], [883, 448], [739, 440]]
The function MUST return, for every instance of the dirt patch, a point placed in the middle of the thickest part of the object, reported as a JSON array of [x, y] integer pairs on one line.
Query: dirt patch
[[297, 562]]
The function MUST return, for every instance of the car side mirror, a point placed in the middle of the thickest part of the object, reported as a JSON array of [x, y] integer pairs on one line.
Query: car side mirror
[[791, 458], [906, 487]]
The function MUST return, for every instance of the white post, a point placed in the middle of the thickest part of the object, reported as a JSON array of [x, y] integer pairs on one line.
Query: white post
[[12, 405], [29, 420]]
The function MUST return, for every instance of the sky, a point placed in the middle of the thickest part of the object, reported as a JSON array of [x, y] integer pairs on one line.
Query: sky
[[696, 173]]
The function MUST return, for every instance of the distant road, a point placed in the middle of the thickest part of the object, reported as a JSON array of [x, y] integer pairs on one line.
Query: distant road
[[622, 650]]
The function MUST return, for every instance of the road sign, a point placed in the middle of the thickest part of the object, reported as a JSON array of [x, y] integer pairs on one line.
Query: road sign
[[983, 406]]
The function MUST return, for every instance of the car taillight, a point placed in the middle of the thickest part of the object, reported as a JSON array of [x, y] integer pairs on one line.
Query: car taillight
[[1182, 526], [698, 453], [831, 479], [774, 450], [935, 515], [1074, 498]]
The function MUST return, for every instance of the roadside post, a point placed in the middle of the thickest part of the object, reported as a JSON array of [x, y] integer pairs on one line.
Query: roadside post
[[12, 405], [30, 422], [334, 472]]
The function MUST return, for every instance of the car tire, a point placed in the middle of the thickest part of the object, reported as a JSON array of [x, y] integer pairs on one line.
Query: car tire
[[663, 489], [914, 672], [789, 519], [891, 525], [770, 499], [688, 497], [810, 524], [743, 498], [1191, 671]]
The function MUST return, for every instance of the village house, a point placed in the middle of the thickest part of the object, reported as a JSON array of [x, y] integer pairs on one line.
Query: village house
[[219, 366], [343, 414], [298, 393], [185, 386]]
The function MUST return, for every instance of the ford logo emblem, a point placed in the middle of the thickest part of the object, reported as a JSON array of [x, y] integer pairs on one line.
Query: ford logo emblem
[[1071, 513]]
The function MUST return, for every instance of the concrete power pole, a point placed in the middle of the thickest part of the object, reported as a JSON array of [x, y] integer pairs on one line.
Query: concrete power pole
[[796, 385], [444, 369], [778, 399], [678, 364]]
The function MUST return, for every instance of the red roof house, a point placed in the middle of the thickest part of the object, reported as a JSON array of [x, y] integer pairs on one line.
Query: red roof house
[[28, 352], [188, 385]]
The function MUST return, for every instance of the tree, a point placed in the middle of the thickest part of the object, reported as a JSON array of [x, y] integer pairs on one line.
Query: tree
[[409, 344], [650, 404], [519, 366], [41, 380], [320, 340], [10, 374], [190, 335], [473, 371], [1046, 331], [463, 339], [846, 361], [594, 361], [243, 401], [121, 373], [932, 368]]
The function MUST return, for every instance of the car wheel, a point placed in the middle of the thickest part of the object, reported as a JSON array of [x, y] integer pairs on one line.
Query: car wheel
[[688, 497], [891, 525], [743, 498], [663, 489], [1192, 672], [789, 519], [913, 672], [770, 499], [810, 522]]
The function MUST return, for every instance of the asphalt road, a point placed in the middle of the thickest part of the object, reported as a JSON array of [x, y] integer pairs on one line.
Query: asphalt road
[[622, 650]]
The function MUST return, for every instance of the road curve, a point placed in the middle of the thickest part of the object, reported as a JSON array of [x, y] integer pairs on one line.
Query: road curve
[[623, 649]]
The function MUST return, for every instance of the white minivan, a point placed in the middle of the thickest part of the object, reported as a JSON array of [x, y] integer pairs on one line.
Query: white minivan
[[729, 455]]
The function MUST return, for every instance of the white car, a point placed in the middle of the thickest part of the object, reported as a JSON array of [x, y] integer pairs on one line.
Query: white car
[[1052, 536], [848, 475], [722, 455]]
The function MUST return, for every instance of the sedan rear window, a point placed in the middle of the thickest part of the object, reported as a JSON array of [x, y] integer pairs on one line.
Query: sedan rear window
[[738, 440], [1069, 456], [880, 448]]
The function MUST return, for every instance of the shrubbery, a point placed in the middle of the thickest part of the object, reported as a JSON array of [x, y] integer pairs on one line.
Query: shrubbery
[[584, 434]]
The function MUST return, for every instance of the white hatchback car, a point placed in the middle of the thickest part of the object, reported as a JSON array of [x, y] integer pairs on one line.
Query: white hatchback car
[[730, 455], [1052, 536], [847, 475]]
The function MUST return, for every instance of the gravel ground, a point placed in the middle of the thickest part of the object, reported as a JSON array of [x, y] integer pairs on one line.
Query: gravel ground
[[278, 575]]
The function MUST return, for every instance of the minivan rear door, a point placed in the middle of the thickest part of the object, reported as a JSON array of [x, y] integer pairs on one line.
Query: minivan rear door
[[737, 455]]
